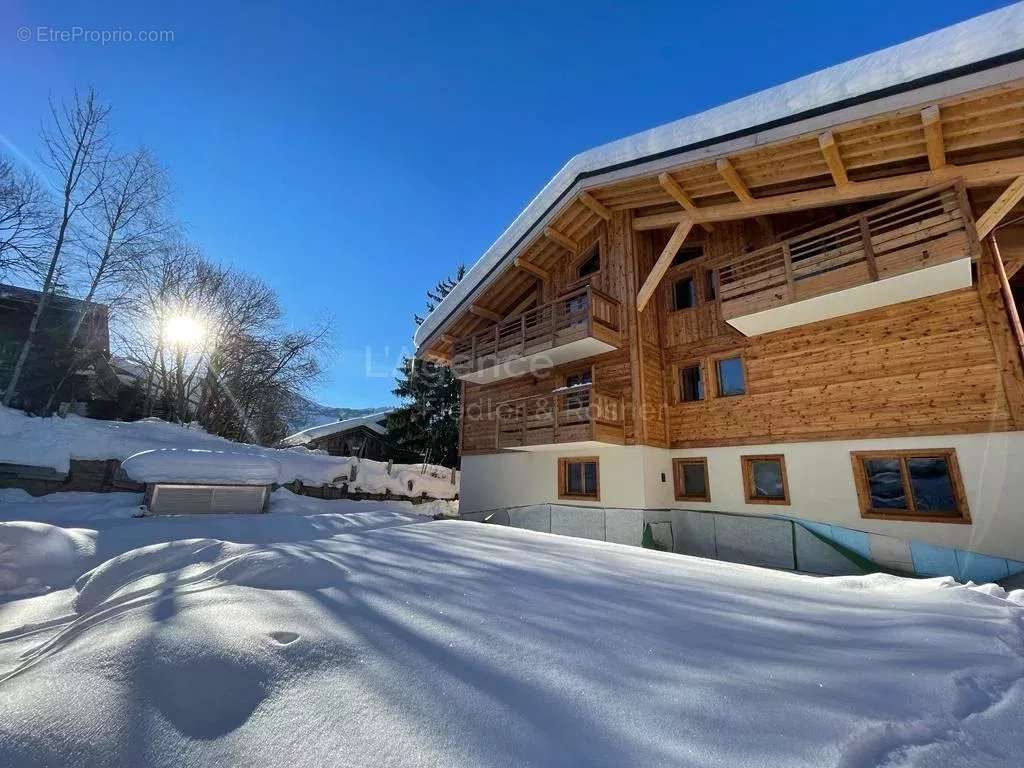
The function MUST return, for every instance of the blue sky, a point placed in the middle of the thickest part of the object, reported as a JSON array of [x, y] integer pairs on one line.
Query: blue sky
[[351, 154]]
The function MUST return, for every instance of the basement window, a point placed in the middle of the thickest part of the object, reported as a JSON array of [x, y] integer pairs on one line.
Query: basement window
[[764, 479], [690, 478], [684, 294], [691, 383], [921, 485], [578, 478], [590, 263]]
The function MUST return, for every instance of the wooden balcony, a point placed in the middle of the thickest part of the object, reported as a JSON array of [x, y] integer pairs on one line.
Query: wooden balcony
[[919, 245], [577, 415], [580, 324]]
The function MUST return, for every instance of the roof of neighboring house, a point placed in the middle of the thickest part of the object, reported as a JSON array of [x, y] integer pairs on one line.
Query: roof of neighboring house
[[306, 436], [30, 296], [985, 42]]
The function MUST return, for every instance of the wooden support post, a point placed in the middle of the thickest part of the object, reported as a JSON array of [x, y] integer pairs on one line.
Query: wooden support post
[[1011, 305], [677, 193], [1002, 206], [869, 250], [932, 123], [732, 178], [595, 205], [830, 150], [787, 264], [662, 264], [554, 235]]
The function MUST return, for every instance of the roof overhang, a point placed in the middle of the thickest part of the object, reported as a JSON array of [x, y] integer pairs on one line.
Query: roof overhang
[[980, 52]]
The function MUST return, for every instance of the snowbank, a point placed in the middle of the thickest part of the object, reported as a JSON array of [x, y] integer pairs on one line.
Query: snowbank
[[357, 633], [171, 453], [33, 556]]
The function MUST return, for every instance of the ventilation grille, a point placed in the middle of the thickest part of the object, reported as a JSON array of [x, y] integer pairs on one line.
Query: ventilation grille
[[207, 499]]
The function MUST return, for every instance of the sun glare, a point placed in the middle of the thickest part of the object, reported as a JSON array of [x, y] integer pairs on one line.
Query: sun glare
[[183, 330]]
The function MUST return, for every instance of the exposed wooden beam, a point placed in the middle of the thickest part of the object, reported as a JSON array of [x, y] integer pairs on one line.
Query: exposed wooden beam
[[974, 175], [995, 213], [486, 314], [662, 264], [447, 338], [566, 242], [595, 205], [830, 150], [533, 269], [932, 123], [736, 184], [678, 194]]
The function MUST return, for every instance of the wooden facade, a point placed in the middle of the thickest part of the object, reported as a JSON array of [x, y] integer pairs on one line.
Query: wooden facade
[[685, 251]]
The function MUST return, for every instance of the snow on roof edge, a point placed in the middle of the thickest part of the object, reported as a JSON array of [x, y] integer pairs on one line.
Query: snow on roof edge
[[975, 40], [313, 433]]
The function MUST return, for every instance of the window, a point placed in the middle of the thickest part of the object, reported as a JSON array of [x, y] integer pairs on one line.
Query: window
[[687, 253], [731, 380], [690, 477], [764, 479], [710, 285], [590, 263], [578, 478], [684, 294], [923, 485], [691, 383]]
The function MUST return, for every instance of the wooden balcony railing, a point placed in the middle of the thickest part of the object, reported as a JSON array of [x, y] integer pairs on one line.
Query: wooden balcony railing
[[923, 229], [567, 416], [576, 315]]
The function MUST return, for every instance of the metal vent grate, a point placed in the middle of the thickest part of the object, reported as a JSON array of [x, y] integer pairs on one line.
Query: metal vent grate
[[168, 499]]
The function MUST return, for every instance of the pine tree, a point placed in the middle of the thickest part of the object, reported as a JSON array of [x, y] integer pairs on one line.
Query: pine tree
[[427, 424]]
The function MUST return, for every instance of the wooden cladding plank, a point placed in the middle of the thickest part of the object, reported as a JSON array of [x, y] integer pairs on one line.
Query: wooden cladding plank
[[995, 213], [662, 264]]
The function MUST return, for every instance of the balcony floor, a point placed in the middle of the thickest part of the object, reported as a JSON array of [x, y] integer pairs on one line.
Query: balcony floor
[[538, 359]]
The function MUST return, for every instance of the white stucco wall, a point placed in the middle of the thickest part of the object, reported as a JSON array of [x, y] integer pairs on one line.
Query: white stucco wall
[[820, 478]]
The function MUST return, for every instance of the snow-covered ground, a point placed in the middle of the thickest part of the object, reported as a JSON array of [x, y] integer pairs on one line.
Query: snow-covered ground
[[362, 634], [189, 454]]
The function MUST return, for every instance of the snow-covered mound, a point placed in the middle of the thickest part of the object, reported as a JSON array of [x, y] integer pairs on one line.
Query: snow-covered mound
[[168, 452], [360, 634]]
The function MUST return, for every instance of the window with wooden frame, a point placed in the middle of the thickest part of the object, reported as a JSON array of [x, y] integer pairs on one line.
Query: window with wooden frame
[[691, 383], [578, 389], [764, 479], [579, 478], [590, 263], [690, 479], [730, 377], [923, 485], [684, 293]]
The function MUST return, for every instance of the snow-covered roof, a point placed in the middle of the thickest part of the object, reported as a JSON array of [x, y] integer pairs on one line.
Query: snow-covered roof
[[986, 42], [371, 422]]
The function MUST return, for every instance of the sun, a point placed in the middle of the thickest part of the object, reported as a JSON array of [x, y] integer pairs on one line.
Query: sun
[[184, 331]]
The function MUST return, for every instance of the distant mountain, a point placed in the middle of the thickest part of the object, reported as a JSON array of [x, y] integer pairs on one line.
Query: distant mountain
[[313, 414]]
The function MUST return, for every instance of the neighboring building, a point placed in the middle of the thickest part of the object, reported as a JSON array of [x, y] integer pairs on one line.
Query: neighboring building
[[365, 436], [790, 305], [91, 384]]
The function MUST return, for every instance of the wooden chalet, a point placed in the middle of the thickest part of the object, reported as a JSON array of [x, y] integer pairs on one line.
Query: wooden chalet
[[803, 303]]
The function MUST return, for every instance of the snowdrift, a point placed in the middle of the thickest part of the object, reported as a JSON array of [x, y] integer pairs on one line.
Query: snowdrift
[[171, 453], [362, 634]]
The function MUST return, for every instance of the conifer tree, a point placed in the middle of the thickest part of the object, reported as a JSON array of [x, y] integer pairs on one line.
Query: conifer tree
[[427, 422]]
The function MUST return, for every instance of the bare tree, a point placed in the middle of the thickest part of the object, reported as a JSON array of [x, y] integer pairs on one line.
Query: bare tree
[[76, 151], [23, 220], [127, 227]]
